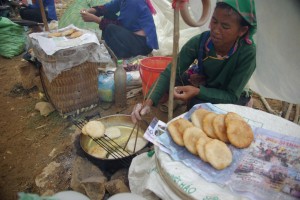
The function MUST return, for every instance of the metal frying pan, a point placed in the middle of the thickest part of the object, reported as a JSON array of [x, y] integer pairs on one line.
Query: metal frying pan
[[119, 120]]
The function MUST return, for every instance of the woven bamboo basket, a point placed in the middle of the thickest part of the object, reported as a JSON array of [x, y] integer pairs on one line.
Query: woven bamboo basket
[[74, 89]]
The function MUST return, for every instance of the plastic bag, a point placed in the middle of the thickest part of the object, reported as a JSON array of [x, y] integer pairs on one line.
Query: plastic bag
[[12, 37], [106, 87]]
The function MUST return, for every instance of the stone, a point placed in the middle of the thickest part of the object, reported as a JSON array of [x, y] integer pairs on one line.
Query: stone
[[116, 186], [28, 72], [45, 108], [121, 174], [88, 179]]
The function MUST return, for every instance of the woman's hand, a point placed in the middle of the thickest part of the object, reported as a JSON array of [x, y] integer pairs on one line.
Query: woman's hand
[[140, 110], [89, 17], [185, 93]]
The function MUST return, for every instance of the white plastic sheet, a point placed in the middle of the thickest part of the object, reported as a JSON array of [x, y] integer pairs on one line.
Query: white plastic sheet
[[278, 57], [164, 21]]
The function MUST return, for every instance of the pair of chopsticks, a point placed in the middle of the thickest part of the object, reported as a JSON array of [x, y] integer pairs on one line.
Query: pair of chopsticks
[[137, 124]]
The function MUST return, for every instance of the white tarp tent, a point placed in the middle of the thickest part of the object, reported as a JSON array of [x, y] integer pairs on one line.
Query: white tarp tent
[[277, 75]]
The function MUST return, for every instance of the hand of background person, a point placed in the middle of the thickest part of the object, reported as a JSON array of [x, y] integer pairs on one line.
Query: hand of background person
[[185, 93], [89, 10], [88, 16], [20, 4], [140, 110]]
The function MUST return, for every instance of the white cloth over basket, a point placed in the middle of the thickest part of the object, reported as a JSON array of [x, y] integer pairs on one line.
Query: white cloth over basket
[[62, 53], [161, 177]]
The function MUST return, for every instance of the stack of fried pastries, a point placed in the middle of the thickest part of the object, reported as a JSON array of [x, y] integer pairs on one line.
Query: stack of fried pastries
[[208, 134], [70, 33]]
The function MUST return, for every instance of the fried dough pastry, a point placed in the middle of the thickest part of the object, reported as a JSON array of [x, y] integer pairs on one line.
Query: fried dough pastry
[[207, 124], [76, 34], [190, 137], [97, 151], [239, 133], [200, 146], [197, 117], [95, 129], [68, 32], [218, 154], [219, 127], [176, 129], [54, 34]]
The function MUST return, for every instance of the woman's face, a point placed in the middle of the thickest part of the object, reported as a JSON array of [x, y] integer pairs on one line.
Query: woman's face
[[225, 28]]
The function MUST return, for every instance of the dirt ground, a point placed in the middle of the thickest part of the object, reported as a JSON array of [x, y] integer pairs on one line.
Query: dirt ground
[[29, 140]]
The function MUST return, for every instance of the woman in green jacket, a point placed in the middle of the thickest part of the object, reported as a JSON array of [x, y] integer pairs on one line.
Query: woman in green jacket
[[226, 59]]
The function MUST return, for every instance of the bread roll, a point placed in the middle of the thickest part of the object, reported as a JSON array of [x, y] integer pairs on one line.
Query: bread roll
[[176, 129]]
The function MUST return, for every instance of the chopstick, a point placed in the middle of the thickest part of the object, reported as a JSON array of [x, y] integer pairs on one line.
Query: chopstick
[[137, 123]]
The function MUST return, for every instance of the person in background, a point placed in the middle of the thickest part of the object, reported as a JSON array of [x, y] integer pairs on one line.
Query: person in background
[[32, 12], [128, 34], [226, 57]]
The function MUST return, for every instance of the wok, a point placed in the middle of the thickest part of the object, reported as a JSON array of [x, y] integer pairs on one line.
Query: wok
[[111, 121]]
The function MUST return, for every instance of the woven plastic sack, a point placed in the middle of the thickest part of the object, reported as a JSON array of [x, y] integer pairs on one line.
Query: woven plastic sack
[[12, 37]]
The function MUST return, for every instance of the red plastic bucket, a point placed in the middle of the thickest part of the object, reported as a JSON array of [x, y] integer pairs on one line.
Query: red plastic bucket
[[150, 69]]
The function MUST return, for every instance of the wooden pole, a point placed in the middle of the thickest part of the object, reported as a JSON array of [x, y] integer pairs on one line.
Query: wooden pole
[[266, 104], [288, 112], [43, 15], [296, 119], [174, 62]]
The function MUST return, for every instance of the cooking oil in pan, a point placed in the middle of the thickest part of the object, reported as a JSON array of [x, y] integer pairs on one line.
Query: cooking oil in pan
[[121, 141]]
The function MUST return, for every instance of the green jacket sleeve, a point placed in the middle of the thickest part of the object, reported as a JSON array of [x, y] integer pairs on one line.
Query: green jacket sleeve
[[187, 55]]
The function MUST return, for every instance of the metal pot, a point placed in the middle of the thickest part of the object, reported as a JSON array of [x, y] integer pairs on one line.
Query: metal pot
[[111, 121]]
